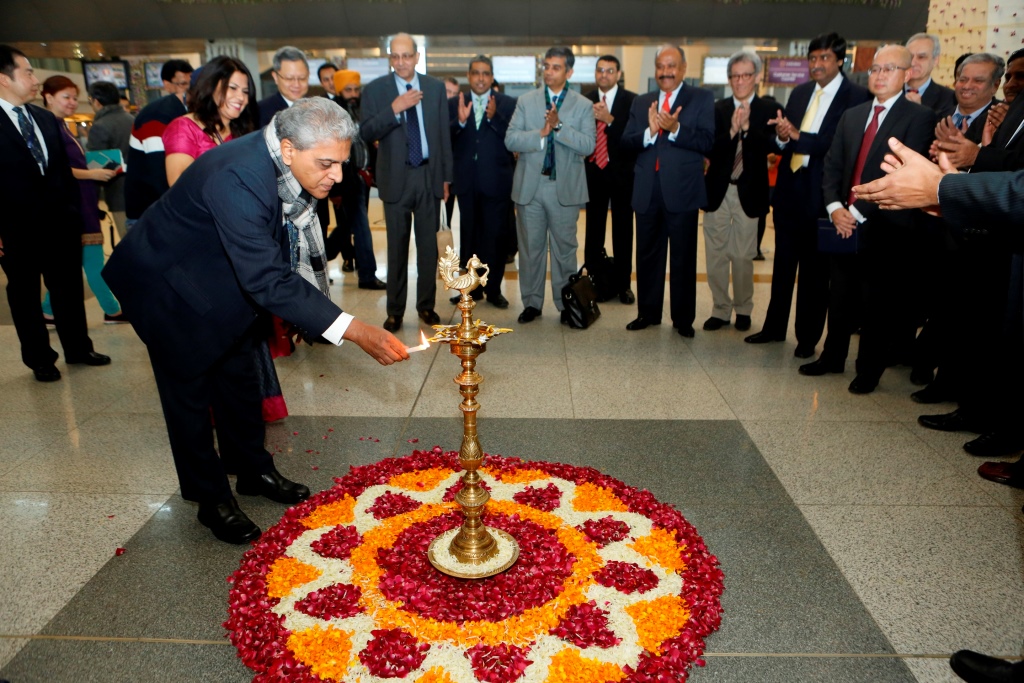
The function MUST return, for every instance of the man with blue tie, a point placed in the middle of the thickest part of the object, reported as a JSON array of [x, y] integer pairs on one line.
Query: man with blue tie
[[483, 172], [671, 131], [41, 233], [406, 113]]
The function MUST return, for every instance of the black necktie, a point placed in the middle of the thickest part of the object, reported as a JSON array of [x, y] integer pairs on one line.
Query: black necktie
[[412, 125], [28, 131]]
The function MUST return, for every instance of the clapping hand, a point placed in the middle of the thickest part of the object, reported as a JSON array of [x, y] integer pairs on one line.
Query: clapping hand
[[465, 108], [740, 120]]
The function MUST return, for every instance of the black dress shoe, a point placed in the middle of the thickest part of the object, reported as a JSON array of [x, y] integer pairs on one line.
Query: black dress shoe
[[348, 265], [228, 522], [641, 323], [921, 377], [626, 296], [46, 373], [821, 367], [686, 331], [529, 314], [742, 322], [974, 667], [498, 300], [803, 351], [760, 256], [91, 358], [564, 318], [430, 317], [713, 323], [951, 422], [996, 445], [393, 323], [763, 337], [376, 284], [933, 393], [862, 384], [274, 486]]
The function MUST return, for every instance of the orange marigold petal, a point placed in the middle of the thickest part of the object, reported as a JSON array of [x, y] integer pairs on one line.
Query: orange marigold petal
[[592, 498], [288, 573], [658, 620], [420, 480], [520, 476], [569, 667], [331, 514], [661, 546], [435, 675], [326, 651]]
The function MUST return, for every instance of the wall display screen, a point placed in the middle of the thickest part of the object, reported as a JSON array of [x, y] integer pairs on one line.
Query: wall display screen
[[787, 71], [515, 68], [716, 71], [115, 72], [153, 78], [369, 68], [583, 69]]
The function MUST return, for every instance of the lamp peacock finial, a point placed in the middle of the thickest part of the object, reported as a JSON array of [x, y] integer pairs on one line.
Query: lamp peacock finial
[[448, 267]]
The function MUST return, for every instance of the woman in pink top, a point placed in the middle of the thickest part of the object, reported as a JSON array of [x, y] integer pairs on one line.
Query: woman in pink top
[[221, 108]]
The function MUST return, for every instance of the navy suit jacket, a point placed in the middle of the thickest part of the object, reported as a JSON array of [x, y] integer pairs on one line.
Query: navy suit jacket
[[681, 170], [212, 254], [270, 106], [481, 161], [37, 206], [913, 124], [802, 198]]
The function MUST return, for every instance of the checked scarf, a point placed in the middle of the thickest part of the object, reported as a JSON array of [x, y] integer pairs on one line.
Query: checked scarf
[[305, 240]]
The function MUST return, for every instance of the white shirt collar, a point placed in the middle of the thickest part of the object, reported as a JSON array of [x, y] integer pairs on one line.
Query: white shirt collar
[[737, 103], [401, 82], [833, 87], [887, 104]]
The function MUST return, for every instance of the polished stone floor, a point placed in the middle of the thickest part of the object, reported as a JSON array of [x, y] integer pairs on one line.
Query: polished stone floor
[[856, 545]]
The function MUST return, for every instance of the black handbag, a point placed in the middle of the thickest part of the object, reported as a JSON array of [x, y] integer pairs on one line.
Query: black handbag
[[602, 274], [580, 301]]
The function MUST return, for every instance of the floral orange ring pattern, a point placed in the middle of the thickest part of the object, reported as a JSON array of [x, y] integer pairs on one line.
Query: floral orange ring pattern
[[611, 585]]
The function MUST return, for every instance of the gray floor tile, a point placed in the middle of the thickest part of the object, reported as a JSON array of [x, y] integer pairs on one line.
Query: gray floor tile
[[802, 669]]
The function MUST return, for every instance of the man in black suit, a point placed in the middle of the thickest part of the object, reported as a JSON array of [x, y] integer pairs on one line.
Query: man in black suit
[[671, 131], [326, 76], [407, 115], [483, 172], [610, 176], [41, 232], [921, 89], [803, 136], [290, 72], [737, 185], [201, 268], [871, 286], [960, 134]]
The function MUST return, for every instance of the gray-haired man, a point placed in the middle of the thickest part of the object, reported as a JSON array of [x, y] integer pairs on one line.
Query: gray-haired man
[[236, 239], [290, 72]]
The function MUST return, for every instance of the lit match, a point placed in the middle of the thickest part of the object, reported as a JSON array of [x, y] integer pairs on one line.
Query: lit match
[[421, 347]]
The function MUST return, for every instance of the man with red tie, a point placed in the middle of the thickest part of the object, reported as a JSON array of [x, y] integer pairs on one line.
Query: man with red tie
[[610, 176], [872, 285], [672, 131]]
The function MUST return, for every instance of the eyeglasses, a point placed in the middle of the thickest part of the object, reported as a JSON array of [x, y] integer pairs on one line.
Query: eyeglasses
[[401, 57], [888, 69], [294, 80], [741, 77], [181, 84], [609, 70]]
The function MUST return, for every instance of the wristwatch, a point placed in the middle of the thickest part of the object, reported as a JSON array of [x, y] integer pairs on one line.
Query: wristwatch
[[558, 127]]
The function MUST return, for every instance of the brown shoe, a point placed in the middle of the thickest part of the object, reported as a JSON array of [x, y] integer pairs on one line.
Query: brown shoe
[[1002, 473]]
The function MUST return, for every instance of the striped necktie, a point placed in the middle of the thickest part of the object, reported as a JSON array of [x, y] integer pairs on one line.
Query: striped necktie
[[28, 131], [600, 155]]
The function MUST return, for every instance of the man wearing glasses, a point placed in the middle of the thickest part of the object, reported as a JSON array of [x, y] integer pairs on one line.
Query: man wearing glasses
[[291, 75], [406, 113], [803, 136], [872, 288], [737, 185]]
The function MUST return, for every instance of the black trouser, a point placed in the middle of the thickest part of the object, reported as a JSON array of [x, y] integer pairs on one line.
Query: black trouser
[[57, 258], [796, 248], [655, 229], [230, 388], [605, 188], [483, 222]]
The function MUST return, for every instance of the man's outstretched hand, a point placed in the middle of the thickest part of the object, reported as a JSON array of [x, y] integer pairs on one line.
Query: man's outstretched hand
[[910, 181], [377, 342]]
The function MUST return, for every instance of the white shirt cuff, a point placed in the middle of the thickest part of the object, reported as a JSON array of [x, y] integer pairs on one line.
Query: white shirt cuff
[[780, 143], [857, 214], [830, 209], [337, 330], [672, 136], [462, 124], [543, 141], [648, 138]]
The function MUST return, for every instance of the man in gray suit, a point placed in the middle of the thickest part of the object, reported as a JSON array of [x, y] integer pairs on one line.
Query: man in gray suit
[[407, 114], [553, 131]]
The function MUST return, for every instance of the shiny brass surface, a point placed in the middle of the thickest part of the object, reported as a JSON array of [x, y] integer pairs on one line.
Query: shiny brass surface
[[474, 544]]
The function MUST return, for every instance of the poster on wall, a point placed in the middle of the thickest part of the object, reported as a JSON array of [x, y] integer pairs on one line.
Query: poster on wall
[[787, 71]]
